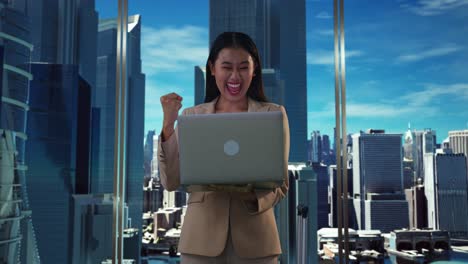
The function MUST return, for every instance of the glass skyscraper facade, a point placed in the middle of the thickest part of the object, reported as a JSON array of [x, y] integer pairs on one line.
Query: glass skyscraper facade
[[65, 32], [200, 83], [58, 154], [377, 182], [446, 188], [17, 240]]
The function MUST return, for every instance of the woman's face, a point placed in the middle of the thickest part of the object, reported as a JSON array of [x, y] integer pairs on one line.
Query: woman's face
[[233, 71]]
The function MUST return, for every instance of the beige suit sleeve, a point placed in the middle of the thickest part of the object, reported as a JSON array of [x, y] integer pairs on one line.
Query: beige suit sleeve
[[168, 161], [268, 199]]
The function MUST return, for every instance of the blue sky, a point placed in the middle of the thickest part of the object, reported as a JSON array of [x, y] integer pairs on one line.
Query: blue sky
[[406, 61]]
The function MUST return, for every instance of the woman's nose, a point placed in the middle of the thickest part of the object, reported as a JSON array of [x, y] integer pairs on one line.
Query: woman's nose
[[235, 74]]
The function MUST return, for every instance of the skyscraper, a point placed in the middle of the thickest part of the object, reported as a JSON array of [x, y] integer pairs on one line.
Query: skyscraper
[[278, 29], [327, 154], [15, 54], [103, 101], [459, 141], [323, 208], [254, 18], [57, 155], [417, 203], [326, 144], [416, 145], [65, 32], [332, 202], [92, 239], [446, 188], [200, 83], [316, 142], [148, 155], [274, 87], [377, 182]]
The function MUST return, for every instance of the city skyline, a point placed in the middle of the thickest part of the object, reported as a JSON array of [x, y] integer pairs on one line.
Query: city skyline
[[404, 61], [54, 106]]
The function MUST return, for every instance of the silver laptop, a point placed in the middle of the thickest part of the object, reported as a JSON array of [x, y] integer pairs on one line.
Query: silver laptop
[[232, 148]]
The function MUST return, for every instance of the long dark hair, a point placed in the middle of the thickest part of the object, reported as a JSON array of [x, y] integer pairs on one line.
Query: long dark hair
[[235, 40]]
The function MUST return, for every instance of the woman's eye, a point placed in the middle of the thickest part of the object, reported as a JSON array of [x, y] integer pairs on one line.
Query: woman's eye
[[244, 68], [227, 68]]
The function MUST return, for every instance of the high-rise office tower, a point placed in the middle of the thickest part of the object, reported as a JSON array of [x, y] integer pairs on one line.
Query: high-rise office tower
[[254, 18], [302, 191], [273, 86], [17, 238], [103, 102], [417, 203], [153, 196], [326, 144], [377, 180], [57, 154], [65, 32], [154, 161], [278, 29], [92, 230], [148, 152], [323, 208], [332, 202], [459, 141], [316, 142], [174, 199], [377, 163], [408, 145], [326, 155], [416, 144], [200, 83], [409, 179], [446, 192]]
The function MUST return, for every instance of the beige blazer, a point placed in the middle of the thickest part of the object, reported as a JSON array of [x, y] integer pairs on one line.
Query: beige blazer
[[248, 216]]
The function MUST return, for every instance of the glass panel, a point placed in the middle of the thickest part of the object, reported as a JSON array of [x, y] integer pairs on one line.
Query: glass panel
[[53, 206]]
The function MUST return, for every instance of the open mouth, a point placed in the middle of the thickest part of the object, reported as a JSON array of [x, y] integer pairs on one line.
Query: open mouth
[[233, 88]]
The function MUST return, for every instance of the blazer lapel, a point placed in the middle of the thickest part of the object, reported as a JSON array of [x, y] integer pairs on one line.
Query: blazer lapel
[[209, 108], [253, 105]]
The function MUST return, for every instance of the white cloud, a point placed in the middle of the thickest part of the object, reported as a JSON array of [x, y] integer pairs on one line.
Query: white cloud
[[433, 91], [325, 57], [433, 7], [323, 15], [371, 110], [326, 32], [435, 52], [413, 103], [173, 49]]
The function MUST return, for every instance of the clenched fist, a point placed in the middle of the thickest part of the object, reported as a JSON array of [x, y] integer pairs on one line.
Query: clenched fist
[[171, 104]]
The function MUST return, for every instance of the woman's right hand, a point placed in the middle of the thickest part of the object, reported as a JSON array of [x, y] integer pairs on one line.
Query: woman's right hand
[[171, 104]]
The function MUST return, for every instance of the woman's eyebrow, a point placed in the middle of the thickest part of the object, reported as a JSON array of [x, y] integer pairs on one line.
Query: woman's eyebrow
[[230, 63]]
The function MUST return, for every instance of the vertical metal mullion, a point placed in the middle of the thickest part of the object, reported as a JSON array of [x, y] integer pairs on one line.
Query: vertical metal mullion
[[120, 132], [344, 133], [337, 134], [123, 123], [116, 211]]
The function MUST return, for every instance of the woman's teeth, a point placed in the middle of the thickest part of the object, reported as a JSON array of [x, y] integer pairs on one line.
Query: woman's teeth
[[233, 88]]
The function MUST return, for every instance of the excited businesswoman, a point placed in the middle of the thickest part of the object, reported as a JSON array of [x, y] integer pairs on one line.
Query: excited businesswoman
[[225, 225]]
